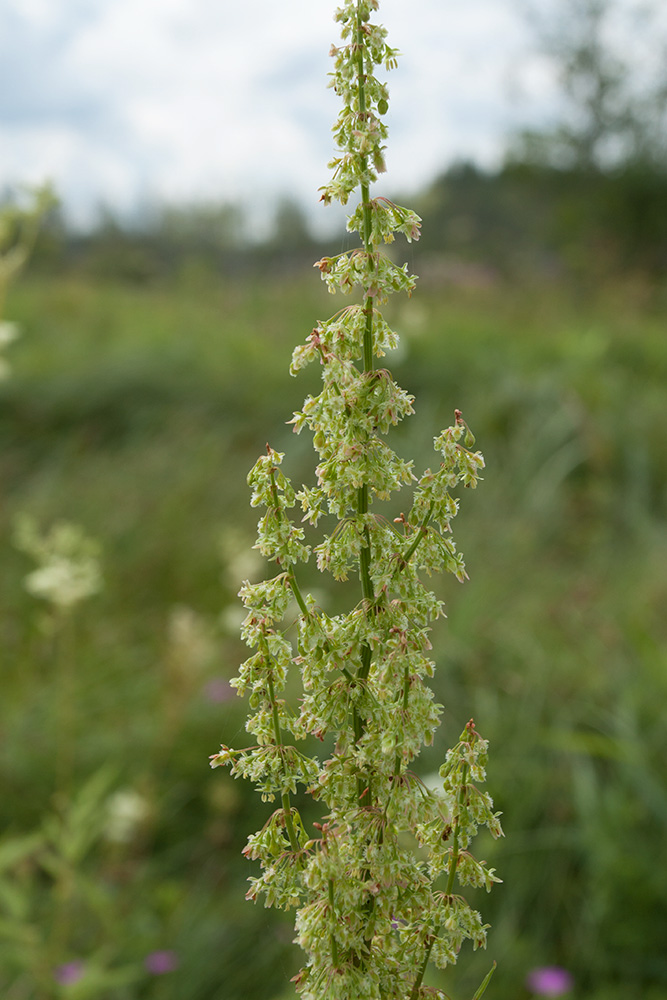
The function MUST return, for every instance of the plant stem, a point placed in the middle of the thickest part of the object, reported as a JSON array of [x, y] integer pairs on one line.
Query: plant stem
[[453, 864], [285, 797], [362, 495], [454, 859], [364, 788], [365, 197], [296, 590], [421, 531], [367, 591], [334, 943], [402, 563], [65, 706], [404, 707]]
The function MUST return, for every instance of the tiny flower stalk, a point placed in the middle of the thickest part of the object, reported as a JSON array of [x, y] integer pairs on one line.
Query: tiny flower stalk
[[370, 913]]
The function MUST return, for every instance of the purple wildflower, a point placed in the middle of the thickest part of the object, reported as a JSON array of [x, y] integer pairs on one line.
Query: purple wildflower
[[550, 981], [159, 962], [69, 973]]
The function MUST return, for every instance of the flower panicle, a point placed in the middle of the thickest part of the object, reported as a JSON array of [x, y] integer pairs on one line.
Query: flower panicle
[[369, 916]]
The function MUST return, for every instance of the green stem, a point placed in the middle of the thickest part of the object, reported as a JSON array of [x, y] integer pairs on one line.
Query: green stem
[[364, 788], [296, 590], [65, 707], [454, 859], [422, 971], [368, 331], [421, 532], [365, 199], [334, 943], [453, 864], [298, 597], [362, 496], [285, 797], [367, 591], [406, 697], [402, 561]]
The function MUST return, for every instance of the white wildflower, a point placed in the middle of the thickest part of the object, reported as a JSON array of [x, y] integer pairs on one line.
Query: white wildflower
[[191, 645], [126, 811], [67, 560]]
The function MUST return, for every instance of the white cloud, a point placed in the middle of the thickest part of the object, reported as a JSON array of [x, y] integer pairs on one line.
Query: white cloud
[[137, 99]]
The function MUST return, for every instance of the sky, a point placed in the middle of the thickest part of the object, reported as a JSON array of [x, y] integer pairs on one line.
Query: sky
[[131, 103]]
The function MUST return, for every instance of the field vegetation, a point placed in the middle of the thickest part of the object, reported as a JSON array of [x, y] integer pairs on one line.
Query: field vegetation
[[150, 370], [134, 411]]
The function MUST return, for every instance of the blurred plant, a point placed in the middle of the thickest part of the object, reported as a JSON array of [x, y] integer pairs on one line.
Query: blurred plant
[[190, 650], [127, 812], [67, 572], [550, 981], [68, 568], [160, 962], [8, 333], [371, 913], [55, 907], [18, 233]]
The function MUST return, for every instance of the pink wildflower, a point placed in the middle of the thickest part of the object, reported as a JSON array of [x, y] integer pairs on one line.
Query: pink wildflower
[[550, 981]]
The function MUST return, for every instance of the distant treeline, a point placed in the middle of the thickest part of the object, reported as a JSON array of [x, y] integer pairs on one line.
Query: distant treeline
[[522, 218], [549, 220], [584, 196]]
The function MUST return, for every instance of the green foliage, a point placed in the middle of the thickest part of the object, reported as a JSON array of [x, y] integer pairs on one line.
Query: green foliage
[[46, 885], [558, 643], [533, 220]]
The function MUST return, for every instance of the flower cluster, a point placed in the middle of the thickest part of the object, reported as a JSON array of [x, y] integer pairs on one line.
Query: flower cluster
[[67, 560], [359, 130], [369, 915]]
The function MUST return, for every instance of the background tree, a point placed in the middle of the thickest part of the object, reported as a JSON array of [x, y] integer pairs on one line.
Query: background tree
[[609, 60]]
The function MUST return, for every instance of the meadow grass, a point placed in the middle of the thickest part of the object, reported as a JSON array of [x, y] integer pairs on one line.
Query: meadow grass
[[130, 412]]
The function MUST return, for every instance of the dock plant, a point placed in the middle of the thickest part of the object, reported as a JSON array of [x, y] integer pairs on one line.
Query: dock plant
[[376, 883]]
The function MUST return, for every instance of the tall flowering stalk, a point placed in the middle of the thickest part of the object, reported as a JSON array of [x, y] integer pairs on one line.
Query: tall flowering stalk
[[371, 911]]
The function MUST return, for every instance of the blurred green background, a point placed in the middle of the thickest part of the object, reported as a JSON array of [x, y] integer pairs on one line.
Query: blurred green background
[[136, 409], [150, 372]]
